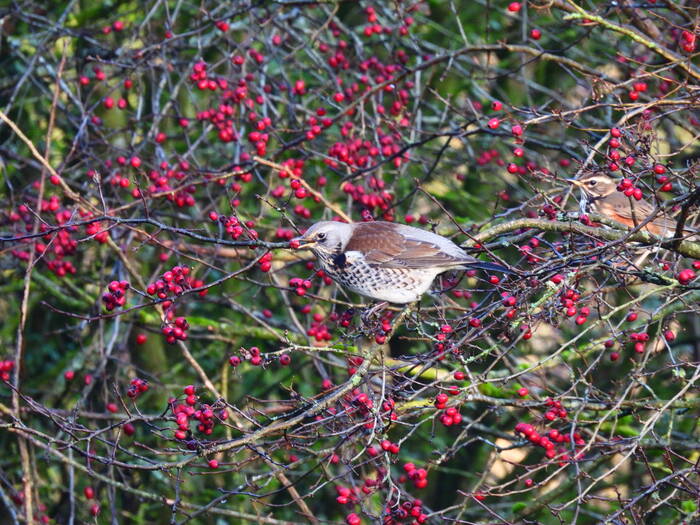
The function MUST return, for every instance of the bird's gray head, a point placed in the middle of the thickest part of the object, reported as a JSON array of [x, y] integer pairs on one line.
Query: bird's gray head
[[326, 237]]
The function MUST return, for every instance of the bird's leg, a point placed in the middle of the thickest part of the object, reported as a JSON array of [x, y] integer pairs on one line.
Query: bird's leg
[[367, 315]]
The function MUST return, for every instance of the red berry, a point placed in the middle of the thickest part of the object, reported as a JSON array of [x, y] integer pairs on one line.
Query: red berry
[[353, 519], [685, 276]]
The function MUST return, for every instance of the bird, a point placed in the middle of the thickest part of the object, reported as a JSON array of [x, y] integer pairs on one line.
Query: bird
[[385, 261], [603, 197]]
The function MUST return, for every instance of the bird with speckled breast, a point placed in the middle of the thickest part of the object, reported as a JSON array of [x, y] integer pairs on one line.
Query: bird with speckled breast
[[385, 261]]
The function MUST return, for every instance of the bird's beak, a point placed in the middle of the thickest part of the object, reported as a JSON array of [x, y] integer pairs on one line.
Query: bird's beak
[[575, 182], [301, 242]]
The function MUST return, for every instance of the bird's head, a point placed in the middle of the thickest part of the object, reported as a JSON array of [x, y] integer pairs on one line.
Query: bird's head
[[596, 184], [327, 237]]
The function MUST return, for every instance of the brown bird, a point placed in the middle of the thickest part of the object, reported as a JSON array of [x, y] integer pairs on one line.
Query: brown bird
[[604, 198], [385, 261]]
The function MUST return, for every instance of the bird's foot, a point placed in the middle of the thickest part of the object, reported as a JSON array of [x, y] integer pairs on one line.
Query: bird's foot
[[367, 315]]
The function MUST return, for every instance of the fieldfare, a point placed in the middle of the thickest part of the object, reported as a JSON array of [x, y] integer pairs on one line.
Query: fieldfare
[[383, 260], [603, 197]]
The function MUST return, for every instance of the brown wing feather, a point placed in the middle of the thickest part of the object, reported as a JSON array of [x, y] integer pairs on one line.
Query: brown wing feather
[[632, 213], [384, 246]]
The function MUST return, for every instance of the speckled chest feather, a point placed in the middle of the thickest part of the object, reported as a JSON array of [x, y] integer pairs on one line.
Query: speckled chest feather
[[352, 271]]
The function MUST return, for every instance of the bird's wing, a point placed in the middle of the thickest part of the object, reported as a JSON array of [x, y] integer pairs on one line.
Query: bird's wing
[[639, 211], [390, 246], [632, 210]]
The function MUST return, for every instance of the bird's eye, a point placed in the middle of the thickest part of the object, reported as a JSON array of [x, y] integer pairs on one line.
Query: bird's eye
[[321, 237], [592, 182]]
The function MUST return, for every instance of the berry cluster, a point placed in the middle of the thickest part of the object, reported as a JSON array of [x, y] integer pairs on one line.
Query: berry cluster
[[627, 187], [254, 357], [419, 476], [284, 234], [661, 178], [319, 329], [96, 231], [164, 182], [345, 495], [411, 510], [568, 298], [300, 285], [53, 247], [265, 262], [388, 446], [373, 199], [556, 410], [550, 440], [174, 282], [639, 339], [116, 295], [353, 363], [137, 387], [206, 415], [6, 367], [450, 416], [687, 41], [176, 331], [685, 276]]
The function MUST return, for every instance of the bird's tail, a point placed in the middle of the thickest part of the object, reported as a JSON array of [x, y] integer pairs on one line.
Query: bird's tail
[[491, 267]]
